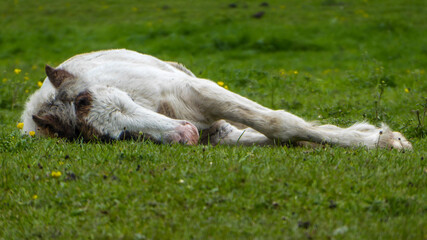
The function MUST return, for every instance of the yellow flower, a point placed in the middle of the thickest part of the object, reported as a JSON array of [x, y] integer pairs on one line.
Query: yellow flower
[[32, 133], [226, 86], [221, 83], [17, 70], [56, 174], [362, 13], [61, 163], [27, 91], [39, 84], [20, 125], [35, 196], [407, 90], [295, 72], [4, 80], [26, 78], [282, 72], [327, 71]]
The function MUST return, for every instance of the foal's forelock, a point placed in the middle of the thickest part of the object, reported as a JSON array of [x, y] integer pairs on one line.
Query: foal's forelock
[[57, 119]]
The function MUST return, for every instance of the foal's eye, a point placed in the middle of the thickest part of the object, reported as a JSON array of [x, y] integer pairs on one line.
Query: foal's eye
[[83, 99], [83, 102]]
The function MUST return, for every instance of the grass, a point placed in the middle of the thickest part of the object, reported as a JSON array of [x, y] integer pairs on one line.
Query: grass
[[332, 61]]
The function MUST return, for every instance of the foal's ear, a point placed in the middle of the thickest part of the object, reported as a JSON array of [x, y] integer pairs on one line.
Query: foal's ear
[[57, 76]]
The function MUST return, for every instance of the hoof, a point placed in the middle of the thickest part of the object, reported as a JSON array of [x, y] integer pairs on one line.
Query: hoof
[[186, 133], [398, 141]]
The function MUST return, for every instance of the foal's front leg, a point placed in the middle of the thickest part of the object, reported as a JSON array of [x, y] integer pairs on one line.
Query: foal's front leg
[[114, 114], [222, 132], [218, 103]]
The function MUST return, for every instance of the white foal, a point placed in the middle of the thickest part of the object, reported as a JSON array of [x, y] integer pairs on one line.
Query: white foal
[[116, 94]]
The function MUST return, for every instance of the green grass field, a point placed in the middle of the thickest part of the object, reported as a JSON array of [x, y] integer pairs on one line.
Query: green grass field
[[333, 61]]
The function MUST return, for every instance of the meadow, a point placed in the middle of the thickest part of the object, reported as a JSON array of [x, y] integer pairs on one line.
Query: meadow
[[331, 61]]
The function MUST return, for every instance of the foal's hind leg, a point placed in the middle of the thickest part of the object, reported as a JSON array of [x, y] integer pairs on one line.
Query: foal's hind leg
[[217, 103]]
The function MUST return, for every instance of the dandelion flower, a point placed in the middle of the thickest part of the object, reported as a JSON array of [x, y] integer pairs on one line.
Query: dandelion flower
[[226, 86], [221, 83], [17, 70], [32, 133], [20, 125], [35, 196], [407, 90], [295, 72], [39, 84], [56, 174], [26, 78], [327, 71]]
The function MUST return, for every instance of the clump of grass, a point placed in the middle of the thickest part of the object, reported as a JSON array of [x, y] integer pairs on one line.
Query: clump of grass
[[419, 129], [381, 86]]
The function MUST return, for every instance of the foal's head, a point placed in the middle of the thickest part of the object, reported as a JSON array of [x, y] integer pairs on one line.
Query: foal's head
[[63, 116]]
